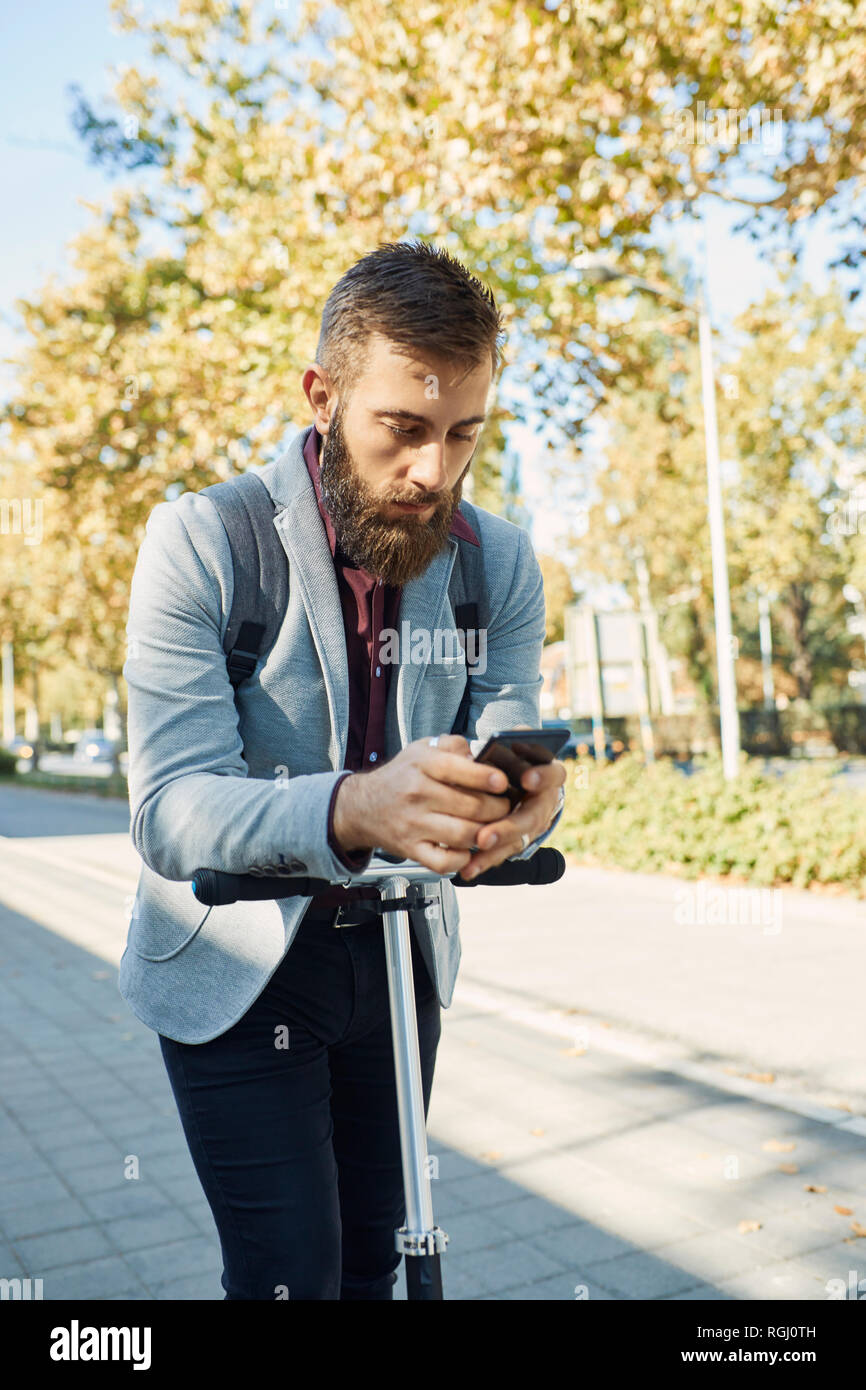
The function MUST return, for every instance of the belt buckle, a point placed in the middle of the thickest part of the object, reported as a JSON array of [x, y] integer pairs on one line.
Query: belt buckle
[[345, 911]]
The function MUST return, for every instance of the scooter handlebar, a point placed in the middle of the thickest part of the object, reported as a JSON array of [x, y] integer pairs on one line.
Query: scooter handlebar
[[217, 889]]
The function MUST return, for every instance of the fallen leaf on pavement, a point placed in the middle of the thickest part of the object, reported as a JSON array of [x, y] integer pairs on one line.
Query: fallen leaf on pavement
[[858, 1229], [844, 1211], [745, 1226], [814, 1187]]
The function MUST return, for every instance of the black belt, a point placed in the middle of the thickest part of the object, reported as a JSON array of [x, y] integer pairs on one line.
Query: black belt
[[344, 915]]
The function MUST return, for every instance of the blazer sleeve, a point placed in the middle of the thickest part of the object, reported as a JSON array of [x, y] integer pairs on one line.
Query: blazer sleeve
[[192, 802], [507, 692]]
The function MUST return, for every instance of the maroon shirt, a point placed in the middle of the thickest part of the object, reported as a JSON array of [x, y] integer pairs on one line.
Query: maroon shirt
[[368, 606]]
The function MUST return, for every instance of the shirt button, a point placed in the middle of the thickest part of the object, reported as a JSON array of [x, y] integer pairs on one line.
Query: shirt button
[[373, 757], [378, 670]]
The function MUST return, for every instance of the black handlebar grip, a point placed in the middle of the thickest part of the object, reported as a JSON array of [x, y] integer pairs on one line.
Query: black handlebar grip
[[546, 865], [218, 889]]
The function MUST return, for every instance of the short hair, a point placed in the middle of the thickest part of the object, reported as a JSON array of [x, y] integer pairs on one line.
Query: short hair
[[419, 298]]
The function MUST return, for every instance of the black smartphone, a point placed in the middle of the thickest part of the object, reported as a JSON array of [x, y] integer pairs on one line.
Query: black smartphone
[[514, 750]]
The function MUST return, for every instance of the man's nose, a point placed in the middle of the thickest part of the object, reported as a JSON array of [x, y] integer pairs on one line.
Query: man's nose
[[428, 471]]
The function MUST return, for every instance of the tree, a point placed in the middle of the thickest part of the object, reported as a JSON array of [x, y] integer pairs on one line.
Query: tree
[[791, 409], [799, 408], [257, 171], [558, 592]]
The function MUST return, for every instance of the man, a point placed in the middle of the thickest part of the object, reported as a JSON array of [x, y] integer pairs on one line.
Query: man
[[275, 1027]]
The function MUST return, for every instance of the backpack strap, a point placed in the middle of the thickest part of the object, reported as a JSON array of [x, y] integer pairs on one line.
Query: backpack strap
[[261, 571], [468, 591]]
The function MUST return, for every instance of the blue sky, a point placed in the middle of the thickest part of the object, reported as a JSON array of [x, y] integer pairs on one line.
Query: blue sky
[[46, 179]]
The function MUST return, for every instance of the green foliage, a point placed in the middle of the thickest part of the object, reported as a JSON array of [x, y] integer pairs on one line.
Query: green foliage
[[797, 829]]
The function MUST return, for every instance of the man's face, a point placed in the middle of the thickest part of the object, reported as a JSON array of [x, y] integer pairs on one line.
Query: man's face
[[406, 437]]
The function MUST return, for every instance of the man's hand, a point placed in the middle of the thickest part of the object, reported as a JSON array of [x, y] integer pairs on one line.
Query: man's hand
[[532, 817], [427, 804]]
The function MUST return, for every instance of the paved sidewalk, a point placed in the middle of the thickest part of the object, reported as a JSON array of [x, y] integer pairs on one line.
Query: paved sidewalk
[[561, 1173]]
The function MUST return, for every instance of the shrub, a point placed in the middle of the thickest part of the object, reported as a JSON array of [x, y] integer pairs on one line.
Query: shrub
[[798, 829]]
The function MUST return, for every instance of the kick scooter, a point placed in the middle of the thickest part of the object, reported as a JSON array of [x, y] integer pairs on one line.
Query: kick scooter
[[398, 886]]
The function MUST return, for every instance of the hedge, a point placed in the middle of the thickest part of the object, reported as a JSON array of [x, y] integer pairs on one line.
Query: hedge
[[796, 829]]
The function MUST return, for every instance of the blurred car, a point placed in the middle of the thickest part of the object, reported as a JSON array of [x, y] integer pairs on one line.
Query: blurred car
[[585, 746], [93, 747], [22, 749]]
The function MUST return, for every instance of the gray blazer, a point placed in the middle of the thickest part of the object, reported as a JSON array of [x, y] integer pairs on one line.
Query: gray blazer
[[221, 786]]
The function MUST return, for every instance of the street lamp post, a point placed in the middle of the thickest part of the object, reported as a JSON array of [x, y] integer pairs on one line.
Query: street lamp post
[[725, 653]]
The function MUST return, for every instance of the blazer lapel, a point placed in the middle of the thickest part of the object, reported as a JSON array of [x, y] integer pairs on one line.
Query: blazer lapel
[[421, 607], [311, 571]]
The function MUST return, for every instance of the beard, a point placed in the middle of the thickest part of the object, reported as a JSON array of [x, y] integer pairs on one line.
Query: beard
[[394, 550]]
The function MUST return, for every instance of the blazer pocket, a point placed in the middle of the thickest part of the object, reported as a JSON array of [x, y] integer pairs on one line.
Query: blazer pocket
[[448, 666], [166, 917], [154, 936]]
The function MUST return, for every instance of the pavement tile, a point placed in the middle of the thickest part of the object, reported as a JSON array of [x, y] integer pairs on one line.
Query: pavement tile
[[135, 1198], [489, 1271], [182, 1190], [716, 1255], [68, 1158], [640, 1274], [98, 1279], [152, 1228], [25, 1192], [785, 1280], [102, 1177], [704, 1293], [846, 1262], [57, 1249], [43, 1217], [487, 1189], [473, 1230], [10, 1264], [162, 1264], [47, 1123], [529, 1216], [25, 1165], [198, 1287], [559, 1288]]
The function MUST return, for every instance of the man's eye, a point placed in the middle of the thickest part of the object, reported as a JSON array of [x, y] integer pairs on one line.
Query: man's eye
[[414, 430]]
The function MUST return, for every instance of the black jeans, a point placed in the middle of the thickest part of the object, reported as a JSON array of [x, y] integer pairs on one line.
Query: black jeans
[[291, 1121]]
